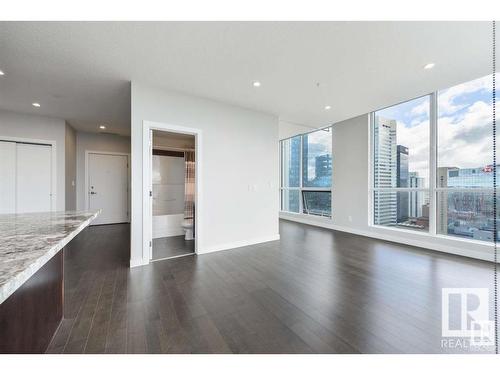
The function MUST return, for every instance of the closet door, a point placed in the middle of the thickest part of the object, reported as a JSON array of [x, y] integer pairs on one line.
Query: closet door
[[34, 178], [8, 177]]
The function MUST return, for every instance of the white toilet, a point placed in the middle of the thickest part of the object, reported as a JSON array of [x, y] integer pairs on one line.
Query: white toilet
[[187, 225]]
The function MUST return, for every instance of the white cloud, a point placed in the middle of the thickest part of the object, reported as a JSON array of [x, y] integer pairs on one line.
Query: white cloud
[[446, 98], [464, 140]]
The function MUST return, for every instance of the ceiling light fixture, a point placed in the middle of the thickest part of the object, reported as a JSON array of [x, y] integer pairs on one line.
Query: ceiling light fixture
[[256, 84], [103, 127], [328, 107], [429, 66], [2, 73], [35, 104]]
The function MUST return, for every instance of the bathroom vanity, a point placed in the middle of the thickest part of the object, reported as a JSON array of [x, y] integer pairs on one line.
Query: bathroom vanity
[[32, 277]]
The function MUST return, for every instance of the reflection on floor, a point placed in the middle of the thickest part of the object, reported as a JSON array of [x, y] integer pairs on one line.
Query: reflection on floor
[[168, 247]]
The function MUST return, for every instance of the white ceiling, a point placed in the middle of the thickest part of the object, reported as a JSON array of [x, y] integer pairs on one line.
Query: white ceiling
[[81, 71]]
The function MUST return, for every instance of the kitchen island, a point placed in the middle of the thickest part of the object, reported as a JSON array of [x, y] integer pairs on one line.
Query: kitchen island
[[32, 277]]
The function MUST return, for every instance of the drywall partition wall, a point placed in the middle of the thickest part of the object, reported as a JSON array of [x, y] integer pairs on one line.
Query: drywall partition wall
[[351, 198], [239, 172], [70, 165], [94, 142], [40, 128]]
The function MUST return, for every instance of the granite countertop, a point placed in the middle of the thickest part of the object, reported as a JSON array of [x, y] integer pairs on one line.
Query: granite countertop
[[28, 241]]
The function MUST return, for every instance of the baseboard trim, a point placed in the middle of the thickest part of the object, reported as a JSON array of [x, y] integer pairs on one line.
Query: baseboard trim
[[237, 244], [138, 262], [449, 249]]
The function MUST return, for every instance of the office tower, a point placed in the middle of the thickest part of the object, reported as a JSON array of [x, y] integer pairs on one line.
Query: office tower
[[323, 166], [417, 198], [385, 175], [442, 199], [402, 181]]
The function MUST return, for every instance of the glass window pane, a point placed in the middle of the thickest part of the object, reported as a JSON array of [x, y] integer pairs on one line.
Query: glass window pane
[[290, 200], [464, 132], [290, 162], [402, 209], [317, 203], [466, 214], [317, 158], [401, 136]]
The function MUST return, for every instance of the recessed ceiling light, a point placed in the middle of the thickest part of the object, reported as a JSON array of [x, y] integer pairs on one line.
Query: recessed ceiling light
[[328, 107], [429, 66], [2, 73], [35, 104], [256, 84], [102, 127]]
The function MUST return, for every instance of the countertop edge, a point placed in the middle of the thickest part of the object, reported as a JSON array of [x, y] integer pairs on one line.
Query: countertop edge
[[7, 289]]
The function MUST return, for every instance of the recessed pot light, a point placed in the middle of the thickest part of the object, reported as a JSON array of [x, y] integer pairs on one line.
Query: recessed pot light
[[429, 66], [256, 84], [102, 127], [2, 73], [35, 104], [328, 107]]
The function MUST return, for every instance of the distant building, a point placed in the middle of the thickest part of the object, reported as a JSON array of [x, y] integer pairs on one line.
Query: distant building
[[466, 213], [402, 182], [385, 176], [417, 198], [442, 200], [323, 171]]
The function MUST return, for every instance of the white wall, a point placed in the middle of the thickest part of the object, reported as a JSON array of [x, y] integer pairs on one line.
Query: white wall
[[94, 142], [350, 208], [240, 168], [70, 167], [19, 125], [287, 129]]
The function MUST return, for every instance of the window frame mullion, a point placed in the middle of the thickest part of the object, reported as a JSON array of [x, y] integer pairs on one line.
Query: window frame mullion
[[433, 163]]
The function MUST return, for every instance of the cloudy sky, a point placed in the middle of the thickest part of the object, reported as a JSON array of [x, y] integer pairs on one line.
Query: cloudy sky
[[464, 127]]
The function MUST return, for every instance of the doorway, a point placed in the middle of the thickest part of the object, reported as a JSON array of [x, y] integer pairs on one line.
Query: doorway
[[107, 186], [147, 165], [172, 195]]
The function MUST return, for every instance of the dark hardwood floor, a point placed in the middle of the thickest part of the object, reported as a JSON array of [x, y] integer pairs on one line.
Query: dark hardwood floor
[[314, 291], [168, 247]]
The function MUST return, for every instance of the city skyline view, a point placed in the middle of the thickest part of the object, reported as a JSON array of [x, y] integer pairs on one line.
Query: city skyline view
[[464, 127], [464, 158]]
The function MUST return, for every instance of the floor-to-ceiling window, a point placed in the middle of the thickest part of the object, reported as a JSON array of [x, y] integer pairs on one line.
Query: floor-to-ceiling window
[[401, 165], [431, 163], [306, 173], [464, 160]]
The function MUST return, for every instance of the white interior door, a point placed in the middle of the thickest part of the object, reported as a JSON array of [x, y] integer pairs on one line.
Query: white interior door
[[34, 178], [108, 187], [8, 177]]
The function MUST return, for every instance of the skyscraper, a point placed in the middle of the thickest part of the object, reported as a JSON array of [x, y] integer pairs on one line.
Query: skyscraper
[[442, 200], [402, 181], [385, 166], [416, 202]]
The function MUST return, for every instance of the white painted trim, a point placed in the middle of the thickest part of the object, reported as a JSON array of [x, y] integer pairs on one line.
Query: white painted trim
[[388, 234], [147, 215], [236, 244], [53, 144], [433, 163], [137, 263], [371, 119], [87, 153]]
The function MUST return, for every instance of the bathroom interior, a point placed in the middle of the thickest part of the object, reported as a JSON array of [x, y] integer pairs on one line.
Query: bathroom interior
[[173, 181]]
